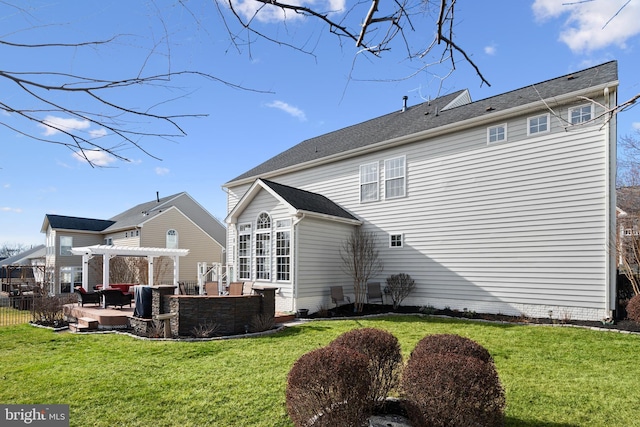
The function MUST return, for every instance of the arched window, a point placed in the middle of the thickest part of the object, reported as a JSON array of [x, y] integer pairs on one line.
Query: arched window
[[172, 239], [263, 247]]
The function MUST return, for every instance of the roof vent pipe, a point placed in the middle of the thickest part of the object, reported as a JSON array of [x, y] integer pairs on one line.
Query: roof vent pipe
[[158, 196], [404, 103]]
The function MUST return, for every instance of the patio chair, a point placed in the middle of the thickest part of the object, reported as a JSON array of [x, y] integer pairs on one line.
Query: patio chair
[[85, 297], [338, 297], [182, 288], [116, 297], [211, 288], [374, 293], [235, 288], [247, 288]]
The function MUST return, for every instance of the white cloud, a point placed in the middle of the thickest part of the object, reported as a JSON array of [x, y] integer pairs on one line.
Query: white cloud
[[97, 157], [592, 25], [289, 109], [268, 13], [161, 171], [6, 186], [7, 209], [635, 125], [491, 50], [98, 133], [53, 125]]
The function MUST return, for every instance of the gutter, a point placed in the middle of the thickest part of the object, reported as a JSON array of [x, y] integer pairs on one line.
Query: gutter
[[431, 133]]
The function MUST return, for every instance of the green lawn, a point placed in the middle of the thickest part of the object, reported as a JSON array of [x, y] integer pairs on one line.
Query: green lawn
[[553, 376]]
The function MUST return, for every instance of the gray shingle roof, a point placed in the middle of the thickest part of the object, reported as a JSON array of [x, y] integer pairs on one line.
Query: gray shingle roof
[[427, 116], [142, 212], [308, 201], [75, 223]]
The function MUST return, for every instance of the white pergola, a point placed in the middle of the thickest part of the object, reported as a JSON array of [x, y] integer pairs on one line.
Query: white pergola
[[110, 251]]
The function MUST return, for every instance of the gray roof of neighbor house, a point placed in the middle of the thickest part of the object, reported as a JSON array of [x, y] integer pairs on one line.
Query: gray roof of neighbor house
[[61, 222], [308, 201], [184, 202], [445, 110], [141, 213], [24, 258]]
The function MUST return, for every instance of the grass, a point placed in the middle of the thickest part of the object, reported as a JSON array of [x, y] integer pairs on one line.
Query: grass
[[553, 376], [11, 316]]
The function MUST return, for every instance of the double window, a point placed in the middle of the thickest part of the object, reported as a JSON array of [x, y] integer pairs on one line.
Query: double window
[[395, 179], [581, 114]]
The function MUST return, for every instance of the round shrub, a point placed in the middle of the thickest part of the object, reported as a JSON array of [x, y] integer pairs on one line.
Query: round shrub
[[385, 358], [452, 344], [329, 387], [448, 389], [633, 308]]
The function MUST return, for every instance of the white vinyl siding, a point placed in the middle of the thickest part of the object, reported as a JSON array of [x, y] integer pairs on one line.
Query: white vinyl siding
[[496, 224]]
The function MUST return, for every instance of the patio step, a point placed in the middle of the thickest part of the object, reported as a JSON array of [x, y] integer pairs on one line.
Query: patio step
[[85, 324]]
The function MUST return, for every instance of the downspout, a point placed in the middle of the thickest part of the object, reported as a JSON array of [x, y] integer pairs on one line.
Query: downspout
[[610, 131], [294, 275]]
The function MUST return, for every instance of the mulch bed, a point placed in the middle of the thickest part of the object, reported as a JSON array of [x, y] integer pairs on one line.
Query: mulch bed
[[370, 309]]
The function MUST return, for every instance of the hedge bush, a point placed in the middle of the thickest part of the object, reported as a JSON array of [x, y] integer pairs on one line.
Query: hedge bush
[[452, 344], [633, 308], [385, 359], [449, 389], [329, 387]]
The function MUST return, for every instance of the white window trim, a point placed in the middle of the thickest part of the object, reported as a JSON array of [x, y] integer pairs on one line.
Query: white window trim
[[490, 128], [175, 244], [548, 116], [68, 251], [391, 235], [591, 112], [377, 182], [246, 232], [404, 177], [268, 258]]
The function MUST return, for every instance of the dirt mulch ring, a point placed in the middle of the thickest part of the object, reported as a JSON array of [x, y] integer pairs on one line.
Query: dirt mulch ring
[[371, 309]]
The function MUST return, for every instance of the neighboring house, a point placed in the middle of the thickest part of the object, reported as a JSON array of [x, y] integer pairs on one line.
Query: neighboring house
[[176, 221], [503, 205], [628, 226], [26, 267]]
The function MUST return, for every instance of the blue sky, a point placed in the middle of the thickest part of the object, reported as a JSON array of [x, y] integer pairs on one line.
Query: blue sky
[[294, 95]]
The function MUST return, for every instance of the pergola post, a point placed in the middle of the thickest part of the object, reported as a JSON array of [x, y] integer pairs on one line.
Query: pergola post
[[105, 270], [150, 272], [176, 274], [85, 271]]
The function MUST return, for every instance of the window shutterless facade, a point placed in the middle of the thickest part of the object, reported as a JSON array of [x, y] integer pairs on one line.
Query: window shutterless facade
[[244, 251], [497, 133], [538, 124], [580, 114], [395, 178], [172, 239], [263, 247], [369, 182], [396, 240], [66, 243]]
